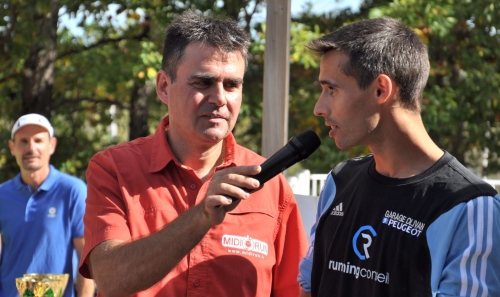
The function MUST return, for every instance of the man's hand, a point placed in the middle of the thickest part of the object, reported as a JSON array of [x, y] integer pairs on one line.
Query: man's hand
[[84, 287], [226, 184]]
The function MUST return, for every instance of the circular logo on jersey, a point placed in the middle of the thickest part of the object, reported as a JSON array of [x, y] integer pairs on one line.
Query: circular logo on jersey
[[367, 241], [52, 212]]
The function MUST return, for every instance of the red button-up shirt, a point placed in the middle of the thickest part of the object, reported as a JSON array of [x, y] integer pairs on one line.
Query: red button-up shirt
[[137, 188]]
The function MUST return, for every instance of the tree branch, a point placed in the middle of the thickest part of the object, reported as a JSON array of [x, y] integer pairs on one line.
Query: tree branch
[[73, 101], [248, 15], [8, 33], [6, 78], [143, 34]]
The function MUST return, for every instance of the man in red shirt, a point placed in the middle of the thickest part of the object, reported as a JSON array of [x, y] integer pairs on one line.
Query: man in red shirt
[[160, 220]]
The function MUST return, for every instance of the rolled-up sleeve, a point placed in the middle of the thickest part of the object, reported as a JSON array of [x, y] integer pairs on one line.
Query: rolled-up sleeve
[[105, 213]]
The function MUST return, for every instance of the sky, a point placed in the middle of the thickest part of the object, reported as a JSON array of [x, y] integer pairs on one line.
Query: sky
[[324, 5], [319, 6], [297, 6]]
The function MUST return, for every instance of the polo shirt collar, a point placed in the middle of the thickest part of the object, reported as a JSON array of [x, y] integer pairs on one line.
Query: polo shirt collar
[[161, 154], [18, 182], [47, 183]]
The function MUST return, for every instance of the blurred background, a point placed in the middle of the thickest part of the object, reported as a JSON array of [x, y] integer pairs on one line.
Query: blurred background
[[90, 67]]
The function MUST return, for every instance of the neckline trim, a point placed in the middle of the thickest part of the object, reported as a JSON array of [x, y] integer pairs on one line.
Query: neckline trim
[[390, 181]]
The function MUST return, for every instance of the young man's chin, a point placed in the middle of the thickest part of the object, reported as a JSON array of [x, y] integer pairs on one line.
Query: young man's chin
[[343, 146]]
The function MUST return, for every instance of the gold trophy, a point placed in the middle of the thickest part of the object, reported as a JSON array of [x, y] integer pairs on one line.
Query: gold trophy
[[42, 285]]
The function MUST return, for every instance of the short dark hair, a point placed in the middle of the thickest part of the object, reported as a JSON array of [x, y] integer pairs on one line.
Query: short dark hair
[[381, 46], [189, 27]]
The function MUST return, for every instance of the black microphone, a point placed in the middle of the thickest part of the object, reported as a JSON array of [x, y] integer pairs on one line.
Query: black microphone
[[297, 149]]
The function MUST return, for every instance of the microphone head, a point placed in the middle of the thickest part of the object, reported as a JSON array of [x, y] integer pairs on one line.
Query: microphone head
[[308, 141]]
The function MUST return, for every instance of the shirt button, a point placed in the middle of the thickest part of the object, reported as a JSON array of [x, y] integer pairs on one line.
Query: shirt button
[[196, 283], [192, 186]]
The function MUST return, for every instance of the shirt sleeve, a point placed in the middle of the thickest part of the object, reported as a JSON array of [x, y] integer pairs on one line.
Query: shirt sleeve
[[290, 245], [326, 197], [105, 214], [78, 196], [464, 244]]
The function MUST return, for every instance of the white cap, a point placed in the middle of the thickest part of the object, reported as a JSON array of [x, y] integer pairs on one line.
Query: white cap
[[32, 119]]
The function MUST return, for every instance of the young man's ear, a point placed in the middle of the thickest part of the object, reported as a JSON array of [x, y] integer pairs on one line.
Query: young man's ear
[[163, 83], [384, 88]]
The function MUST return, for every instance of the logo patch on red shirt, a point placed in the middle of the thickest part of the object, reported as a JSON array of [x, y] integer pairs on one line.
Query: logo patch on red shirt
[[245, 245]]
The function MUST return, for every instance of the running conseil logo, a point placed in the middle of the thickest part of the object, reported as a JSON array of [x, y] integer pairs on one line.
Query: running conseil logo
[[363, 239], [367, 233]]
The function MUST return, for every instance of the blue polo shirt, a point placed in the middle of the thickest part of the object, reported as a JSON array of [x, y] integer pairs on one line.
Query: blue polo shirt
[[38, 228]]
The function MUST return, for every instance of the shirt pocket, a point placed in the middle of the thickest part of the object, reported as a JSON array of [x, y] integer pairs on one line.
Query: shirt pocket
[[251, 216], [250, 229], [150, 213]]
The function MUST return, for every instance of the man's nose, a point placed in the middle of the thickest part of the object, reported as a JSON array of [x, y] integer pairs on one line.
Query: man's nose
[[31, 145], [218, 95], [320, 109]]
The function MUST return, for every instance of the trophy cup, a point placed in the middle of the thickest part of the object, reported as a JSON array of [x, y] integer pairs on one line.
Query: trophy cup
[[42, 285]]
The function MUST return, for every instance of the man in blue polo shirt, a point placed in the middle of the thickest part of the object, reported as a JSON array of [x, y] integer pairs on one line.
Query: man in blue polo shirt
[[41, 212]]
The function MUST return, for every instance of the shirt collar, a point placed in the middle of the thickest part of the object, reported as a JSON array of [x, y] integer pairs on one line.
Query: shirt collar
[[47, 183], [50, 180], [19, 182], [229, 158], [161, 154]]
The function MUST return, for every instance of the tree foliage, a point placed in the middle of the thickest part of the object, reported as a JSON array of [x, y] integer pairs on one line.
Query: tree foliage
[[75, 76], [99, 73], [461, 106], [462, 99]]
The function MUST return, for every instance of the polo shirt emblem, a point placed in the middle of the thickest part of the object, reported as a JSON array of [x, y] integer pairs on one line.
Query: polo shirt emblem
[[52, 212]]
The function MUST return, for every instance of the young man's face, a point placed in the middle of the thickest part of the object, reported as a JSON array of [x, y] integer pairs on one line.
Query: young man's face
[[351, 113], [205, 98], [32, 147]]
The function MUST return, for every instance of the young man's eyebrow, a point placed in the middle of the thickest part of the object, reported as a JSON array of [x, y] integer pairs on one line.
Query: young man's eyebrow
[[327, 82]]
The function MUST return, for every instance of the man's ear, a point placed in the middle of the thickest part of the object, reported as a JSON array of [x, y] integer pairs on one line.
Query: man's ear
[[163, 83], [53, 144], [11, 146], [384, 88]]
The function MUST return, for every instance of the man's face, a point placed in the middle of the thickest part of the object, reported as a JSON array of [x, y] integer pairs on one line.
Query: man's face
[[350, 112], [205, 98], [32, 147]]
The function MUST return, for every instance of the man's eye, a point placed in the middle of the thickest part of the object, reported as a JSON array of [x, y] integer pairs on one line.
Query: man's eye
[[231, 86], [202, 84]]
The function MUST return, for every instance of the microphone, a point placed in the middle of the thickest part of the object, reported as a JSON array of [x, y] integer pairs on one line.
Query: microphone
[[297, 149]]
